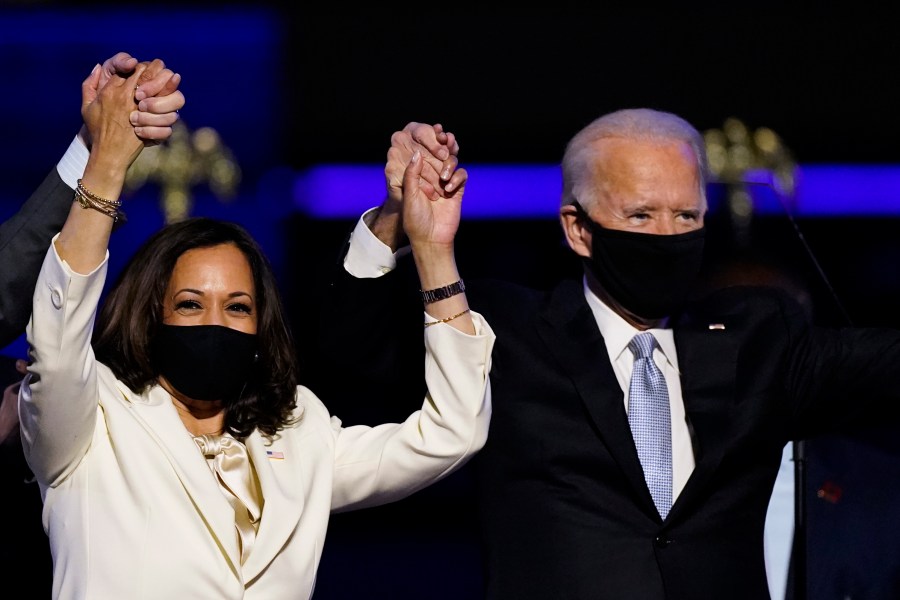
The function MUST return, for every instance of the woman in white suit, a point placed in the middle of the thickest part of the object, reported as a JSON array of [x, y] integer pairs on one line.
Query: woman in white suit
[[178, 456]]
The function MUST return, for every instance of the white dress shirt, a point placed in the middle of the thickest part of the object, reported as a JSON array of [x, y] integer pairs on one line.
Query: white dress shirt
[[617, 333]]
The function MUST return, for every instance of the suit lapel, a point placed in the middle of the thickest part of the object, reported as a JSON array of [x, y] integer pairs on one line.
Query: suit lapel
[[280, 469], [570, 331], [280, 476], [157, 413], [707, 359]]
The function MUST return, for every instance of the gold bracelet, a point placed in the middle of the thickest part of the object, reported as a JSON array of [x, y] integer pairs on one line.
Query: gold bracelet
[[97, 199], [110, 208], [113, 213], [430, 323]]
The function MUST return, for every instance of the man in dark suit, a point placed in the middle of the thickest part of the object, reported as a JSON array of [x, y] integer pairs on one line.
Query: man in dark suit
[[24, 239], [566, 510]]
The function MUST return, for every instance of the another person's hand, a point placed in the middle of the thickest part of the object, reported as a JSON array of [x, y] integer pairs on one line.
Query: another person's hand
[[159, 101], [84, 239], [439, 150], [103, 109], [9, 410], [430, 217], [157, 97]]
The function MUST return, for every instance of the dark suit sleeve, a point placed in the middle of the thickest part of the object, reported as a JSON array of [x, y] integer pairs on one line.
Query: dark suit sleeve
[[24, 239], [368, 364]]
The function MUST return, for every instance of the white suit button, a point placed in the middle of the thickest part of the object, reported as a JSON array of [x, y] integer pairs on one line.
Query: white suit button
[[56, 299]]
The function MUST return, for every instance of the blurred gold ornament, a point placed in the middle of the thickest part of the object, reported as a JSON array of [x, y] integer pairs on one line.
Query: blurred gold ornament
[[738, 156], [743, 160], [186, 159]]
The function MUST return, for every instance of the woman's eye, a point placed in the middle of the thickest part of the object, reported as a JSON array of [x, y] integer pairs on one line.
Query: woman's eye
[[187, 305], [240, 307]]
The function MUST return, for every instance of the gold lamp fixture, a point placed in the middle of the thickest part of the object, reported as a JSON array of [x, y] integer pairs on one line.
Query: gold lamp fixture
[[185, 160], [740, 158]]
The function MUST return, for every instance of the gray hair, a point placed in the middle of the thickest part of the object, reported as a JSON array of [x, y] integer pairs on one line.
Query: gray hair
[[631, 123]]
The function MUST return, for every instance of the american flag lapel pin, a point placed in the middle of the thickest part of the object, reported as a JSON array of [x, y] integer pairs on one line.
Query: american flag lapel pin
[[273, 455]]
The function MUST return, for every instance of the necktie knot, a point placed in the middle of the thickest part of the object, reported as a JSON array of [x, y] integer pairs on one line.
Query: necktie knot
[[642, 345]]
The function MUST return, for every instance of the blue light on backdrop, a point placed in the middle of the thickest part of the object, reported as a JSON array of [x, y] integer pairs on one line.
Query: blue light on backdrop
[[493, 191], [532, 191], [231, 57]]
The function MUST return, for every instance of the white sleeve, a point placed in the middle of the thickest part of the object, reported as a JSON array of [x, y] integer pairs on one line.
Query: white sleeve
[[367, 256], [376, 465], [58, 398]]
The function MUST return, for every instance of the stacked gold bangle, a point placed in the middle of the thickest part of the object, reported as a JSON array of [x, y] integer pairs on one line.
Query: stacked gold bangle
[[87, 199]]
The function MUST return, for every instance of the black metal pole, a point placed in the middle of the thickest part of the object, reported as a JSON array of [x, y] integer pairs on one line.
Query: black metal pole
[[798, 552]]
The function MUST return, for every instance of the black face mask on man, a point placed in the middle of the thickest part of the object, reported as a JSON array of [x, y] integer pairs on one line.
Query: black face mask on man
[[205, 362], [650, 275]]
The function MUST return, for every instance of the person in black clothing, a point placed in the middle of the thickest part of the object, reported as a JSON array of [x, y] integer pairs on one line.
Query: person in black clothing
[[565, 509]]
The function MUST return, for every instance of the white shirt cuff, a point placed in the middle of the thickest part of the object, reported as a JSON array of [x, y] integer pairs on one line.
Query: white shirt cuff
[[367, 256], [73, 163]]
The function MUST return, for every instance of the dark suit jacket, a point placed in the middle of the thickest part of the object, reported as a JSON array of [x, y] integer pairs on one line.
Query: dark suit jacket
[[24, 239], [565, 512]]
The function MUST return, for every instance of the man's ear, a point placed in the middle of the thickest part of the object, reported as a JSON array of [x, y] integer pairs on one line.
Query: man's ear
[[578, 235]]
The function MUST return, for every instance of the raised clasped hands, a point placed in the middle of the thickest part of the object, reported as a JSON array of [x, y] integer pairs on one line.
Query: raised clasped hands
[[117, 127], [440, 153], [107, 110], [157, 98], [440, 177], [431, 213]]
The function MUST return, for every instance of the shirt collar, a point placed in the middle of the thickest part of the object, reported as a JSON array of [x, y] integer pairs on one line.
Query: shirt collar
[[617, 332]]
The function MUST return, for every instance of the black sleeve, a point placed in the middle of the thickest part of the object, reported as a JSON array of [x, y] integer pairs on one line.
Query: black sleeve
[[369, 360], [24, 239]]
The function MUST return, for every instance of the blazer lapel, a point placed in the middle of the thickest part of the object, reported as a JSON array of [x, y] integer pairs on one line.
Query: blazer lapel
[[706, 357], [570, 331], [280, 469], [157, 413]]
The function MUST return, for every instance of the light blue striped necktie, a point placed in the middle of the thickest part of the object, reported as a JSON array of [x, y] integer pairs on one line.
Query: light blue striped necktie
[[651, 424]]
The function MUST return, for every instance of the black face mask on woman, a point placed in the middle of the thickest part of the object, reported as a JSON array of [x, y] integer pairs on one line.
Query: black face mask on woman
[[650, 275], [205, 362]]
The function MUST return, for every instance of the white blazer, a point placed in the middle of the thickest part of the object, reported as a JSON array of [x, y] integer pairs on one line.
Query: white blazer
[[130, 505]]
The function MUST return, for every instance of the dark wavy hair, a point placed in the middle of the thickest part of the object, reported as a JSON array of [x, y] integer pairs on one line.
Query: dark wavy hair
[[133, 311]]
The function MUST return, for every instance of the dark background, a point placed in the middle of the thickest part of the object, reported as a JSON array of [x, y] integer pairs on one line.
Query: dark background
[[514, 84], [290, 86]]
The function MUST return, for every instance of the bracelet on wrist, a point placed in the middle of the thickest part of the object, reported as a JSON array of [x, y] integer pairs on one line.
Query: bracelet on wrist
[[447, 320], [88, 199], [442, 293]]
